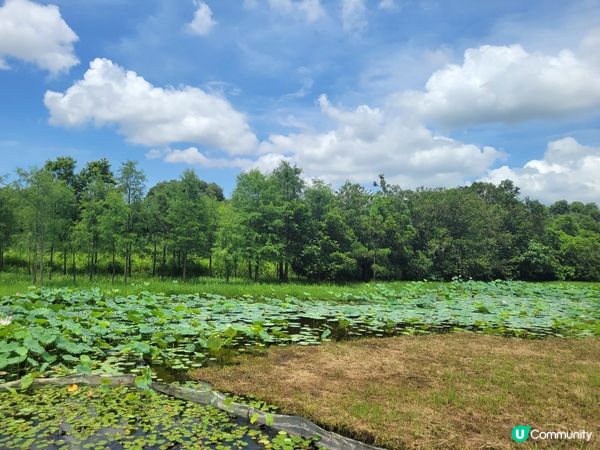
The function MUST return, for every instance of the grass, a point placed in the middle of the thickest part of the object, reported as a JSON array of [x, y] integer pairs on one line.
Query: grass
[[11, 283], [461, 390]]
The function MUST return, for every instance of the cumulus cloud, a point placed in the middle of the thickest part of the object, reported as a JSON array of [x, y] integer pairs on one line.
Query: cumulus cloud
[[194, 157], [568, 171], [360, 144], [354, 16], [366, 141], [203, 21], [36, 34], [509, 84], [150, 115]]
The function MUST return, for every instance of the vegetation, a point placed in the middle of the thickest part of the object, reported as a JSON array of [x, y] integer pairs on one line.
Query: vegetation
[[94, 222], [111, 253], [61, 331], [123, 418], [459, 390]]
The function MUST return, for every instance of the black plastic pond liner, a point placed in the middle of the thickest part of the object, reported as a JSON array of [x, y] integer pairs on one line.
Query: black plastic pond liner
[[205, 395]]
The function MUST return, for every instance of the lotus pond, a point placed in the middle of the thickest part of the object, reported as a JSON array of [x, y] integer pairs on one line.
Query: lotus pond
[[124, 418], [60, 331]]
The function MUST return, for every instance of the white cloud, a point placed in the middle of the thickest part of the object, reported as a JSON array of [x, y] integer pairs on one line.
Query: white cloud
[[361, 144], [509, 84], [203, 21], [310, 10], [568, 171], [36, 34], [387, 4], [150, 115], [367, 141], [354, 16], [154, 154], [194, 157], [249, 4]]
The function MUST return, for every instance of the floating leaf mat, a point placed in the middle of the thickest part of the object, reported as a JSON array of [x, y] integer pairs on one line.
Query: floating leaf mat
[[61, 331], [93, 412]]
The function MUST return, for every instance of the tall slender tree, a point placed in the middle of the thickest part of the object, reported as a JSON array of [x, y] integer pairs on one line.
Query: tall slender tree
[[131, 182]]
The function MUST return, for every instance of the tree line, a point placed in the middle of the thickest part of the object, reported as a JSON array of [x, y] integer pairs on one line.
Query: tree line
[[99, 221]]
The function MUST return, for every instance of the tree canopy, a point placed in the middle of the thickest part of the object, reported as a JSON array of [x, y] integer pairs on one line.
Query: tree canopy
[[280, 225]]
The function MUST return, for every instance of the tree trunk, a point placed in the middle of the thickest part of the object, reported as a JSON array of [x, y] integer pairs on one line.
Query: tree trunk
[[64, 261], [185, 266], [164, 262], [129, 258], [114, 269], [90, 264], [95, 262], [1, 256], [286, 271], [51, 262], [74, 267], [256, 264], [249, 269], [42, 252], [125, 265], [154, 261], [210, 263]]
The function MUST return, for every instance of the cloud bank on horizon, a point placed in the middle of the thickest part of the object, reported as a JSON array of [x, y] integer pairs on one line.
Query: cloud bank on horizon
[[445, 127]]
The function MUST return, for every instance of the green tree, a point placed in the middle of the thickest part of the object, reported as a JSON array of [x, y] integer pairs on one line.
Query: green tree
[[44, 202], [88, 231], [538, 263], [157, 223], [456, 230], [92, 172], [327, 253], [131, 182], [254, 199], [63, 168], [188, 214], [8, 219], [291, 215], [229, 240]]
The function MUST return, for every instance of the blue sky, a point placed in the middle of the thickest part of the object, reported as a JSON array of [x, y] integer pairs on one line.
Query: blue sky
[[430, 93]]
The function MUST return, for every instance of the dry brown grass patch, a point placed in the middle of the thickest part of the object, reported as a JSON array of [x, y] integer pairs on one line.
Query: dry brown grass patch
[[439, 391]]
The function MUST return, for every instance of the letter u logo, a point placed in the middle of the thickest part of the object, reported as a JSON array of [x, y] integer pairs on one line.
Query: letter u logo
[[520, 433]]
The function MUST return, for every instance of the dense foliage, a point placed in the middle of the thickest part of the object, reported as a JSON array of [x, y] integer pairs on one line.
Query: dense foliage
[[278, 225], [61, 330]]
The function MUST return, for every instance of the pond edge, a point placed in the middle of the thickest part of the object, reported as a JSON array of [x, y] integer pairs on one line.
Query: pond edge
[[205, 395]]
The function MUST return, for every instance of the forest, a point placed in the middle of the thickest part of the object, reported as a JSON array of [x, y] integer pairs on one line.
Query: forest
[[106, 221]]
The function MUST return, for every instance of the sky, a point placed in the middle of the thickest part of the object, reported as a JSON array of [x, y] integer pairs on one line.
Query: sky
[[429, 93]]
